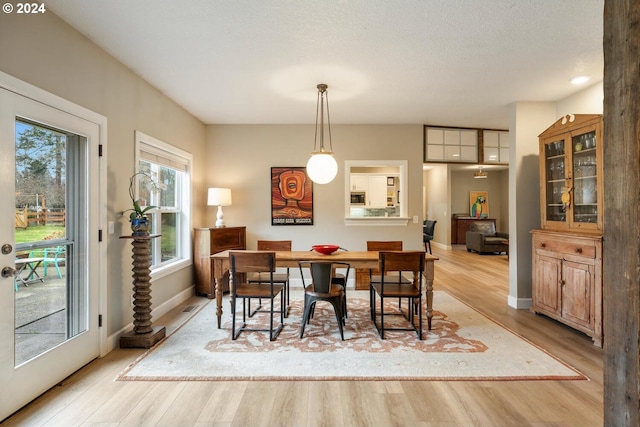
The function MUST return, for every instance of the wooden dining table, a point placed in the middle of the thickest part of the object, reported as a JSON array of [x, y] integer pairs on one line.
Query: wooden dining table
[[356, 259]]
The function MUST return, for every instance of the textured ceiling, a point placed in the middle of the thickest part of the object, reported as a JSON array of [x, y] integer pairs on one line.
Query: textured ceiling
[[438, 62]]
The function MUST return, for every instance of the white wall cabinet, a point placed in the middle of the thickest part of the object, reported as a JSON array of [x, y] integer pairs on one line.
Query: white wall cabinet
[[359, 183], [377, 192], [374, 186]]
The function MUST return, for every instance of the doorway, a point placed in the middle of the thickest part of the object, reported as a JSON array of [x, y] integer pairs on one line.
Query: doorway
[[50, 261]]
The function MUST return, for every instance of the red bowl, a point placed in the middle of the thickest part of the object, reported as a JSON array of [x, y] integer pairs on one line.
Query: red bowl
[[325, 249]]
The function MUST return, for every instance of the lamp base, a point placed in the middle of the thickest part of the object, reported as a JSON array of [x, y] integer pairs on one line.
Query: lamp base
[[220, 218]]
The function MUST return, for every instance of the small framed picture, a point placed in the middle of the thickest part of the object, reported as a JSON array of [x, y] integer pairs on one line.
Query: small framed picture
[[391, 181], [479, 204]]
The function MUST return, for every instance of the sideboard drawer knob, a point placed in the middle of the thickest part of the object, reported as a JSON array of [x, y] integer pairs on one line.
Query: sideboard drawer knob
[[579, 250]]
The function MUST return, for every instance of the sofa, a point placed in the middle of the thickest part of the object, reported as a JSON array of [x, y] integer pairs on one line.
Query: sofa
[[483, 238]]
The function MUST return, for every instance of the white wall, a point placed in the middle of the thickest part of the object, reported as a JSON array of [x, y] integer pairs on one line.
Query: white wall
[[241, 156], [528, 120], [588, 101], [437, 189]]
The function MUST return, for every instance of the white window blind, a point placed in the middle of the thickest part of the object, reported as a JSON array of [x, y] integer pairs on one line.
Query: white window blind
[[161, 157]]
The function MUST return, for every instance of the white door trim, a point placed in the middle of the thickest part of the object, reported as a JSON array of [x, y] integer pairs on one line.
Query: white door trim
[[27, 90]]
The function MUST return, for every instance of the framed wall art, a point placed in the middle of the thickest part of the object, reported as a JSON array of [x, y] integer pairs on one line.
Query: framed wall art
[[291, 196], [479, 204]]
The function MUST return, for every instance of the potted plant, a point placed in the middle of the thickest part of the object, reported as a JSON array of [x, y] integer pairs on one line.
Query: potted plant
[[140, 224]]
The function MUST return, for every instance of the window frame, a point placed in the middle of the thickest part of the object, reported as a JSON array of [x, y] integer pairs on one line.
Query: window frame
[[455, 145], [402, 167], [181, 159]]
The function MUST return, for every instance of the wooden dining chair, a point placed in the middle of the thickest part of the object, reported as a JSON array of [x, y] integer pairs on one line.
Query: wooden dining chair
[[323, 288], [278, 277], [245, 263], [388, 245], [391, 262]]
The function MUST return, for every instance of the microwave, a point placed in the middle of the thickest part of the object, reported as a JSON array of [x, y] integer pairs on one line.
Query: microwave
[[357, 198]]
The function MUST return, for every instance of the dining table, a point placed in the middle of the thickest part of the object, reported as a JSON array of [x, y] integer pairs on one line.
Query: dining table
[[291, 259]]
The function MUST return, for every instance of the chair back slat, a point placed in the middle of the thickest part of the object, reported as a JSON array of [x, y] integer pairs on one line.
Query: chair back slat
[[380, 245], [390, 245], [251, 262], [401, 261], [322, 273], [274, 245], [321, 276]]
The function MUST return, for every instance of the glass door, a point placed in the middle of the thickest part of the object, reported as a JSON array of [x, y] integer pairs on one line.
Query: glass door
[[555, 181], [49, 289], [585, 178]]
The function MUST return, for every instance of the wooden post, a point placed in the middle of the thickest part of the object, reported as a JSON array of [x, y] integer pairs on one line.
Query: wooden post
[[144, 334], [621, 219]]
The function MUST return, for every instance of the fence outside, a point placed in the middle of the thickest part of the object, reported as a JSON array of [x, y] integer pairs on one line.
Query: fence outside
[[25, 217]]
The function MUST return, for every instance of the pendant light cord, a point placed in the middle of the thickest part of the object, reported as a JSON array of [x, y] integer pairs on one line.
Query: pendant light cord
[[322, 92]]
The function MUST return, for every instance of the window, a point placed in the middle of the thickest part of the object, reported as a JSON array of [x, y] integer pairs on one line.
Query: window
[[170, 167], [450, 145], [379, 190], [496, 146]]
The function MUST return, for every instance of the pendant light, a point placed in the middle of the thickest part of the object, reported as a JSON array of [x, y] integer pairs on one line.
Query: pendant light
[[480, 174], [322, 166]]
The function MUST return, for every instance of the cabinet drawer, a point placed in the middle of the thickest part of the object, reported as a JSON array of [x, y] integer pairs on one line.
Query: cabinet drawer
[[584, 249], [224, 239]]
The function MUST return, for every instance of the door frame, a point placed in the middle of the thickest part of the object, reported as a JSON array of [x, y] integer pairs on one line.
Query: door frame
[[27, 90]]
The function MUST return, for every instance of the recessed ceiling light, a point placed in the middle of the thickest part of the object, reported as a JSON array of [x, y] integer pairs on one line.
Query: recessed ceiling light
[[580, 80]]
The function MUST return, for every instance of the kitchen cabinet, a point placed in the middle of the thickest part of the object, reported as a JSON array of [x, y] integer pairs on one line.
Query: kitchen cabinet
[[210, 241], [377, 192], [374, 187], [567, 251], [359, 182], [567, 280]]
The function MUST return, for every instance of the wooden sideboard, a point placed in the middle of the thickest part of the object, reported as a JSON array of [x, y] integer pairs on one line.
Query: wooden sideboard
[[567, 280], [460, 225], [210, 241]]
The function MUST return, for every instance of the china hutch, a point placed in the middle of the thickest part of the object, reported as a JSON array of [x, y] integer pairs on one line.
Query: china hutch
[[567, 250]]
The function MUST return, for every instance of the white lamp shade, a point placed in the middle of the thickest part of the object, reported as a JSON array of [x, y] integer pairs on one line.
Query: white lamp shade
[[219, 197], [322, 168]]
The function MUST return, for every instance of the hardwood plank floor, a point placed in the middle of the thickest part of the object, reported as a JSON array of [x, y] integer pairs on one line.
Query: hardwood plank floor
[[91, 397]]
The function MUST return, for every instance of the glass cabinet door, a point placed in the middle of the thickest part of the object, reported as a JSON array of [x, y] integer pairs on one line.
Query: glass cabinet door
[[555, 180], [585, 178]]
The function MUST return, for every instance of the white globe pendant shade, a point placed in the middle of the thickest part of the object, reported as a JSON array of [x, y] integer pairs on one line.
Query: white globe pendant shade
[[322, 167]]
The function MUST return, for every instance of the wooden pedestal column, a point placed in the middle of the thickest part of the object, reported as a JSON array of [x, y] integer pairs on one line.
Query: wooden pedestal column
[[144, 334]]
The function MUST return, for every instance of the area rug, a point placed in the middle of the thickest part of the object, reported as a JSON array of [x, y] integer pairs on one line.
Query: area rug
[[463, 344]]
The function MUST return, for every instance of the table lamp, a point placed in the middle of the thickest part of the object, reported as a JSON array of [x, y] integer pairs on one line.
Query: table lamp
[[219, 197]]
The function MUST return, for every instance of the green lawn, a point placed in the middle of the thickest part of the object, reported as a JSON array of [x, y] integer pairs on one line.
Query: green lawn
[[38, 233]]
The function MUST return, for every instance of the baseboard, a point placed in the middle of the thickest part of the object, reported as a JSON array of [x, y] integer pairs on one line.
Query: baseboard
[[113, 341], [519, 303], [440, 246]]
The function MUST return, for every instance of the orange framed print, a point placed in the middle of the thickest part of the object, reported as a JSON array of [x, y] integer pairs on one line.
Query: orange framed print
[[479, 204], [291, 196]]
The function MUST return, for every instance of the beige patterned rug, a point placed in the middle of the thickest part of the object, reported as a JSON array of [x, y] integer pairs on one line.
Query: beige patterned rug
[[463, 344]]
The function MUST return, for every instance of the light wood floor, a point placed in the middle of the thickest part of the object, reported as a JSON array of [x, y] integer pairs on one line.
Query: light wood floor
[[91, 397]]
